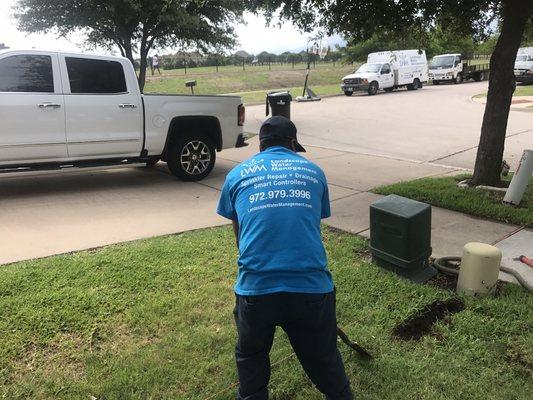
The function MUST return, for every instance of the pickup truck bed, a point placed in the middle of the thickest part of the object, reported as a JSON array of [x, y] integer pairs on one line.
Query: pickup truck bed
[[74, 110]]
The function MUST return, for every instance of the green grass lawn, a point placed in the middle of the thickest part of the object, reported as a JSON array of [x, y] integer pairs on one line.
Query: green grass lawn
[[253, 83], [521, 90], [444, 192], [152, 319]]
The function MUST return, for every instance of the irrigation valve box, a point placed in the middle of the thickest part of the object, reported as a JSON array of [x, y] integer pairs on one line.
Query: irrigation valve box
[[400, 237]]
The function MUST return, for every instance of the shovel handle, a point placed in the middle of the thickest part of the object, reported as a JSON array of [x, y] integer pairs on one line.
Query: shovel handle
[[362, 352]]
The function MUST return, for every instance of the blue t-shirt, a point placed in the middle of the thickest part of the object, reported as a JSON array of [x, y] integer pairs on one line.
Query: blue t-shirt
[[278, 198]]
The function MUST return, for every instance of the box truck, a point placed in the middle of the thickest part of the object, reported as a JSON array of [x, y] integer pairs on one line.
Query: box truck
[[455, 68], [388, 70]]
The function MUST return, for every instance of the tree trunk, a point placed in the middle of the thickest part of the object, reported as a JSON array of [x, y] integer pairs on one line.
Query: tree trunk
[[142, 70], [489, 158]]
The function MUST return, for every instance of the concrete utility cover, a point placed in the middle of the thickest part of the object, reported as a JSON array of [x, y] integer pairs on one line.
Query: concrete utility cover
[[519, 244]]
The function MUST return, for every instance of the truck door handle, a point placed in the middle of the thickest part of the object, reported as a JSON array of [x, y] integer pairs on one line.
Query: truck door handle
[[127, 105], [48, 105]]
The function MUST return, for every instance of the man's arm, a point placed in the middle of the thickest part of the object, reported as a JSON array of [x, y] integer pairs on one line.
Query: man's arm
[[236, 231]]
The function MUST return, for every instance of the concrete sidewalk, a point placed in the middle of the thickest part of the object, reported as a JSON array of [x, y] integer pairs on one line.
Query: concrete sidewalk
[[351, 179], [70, 211]]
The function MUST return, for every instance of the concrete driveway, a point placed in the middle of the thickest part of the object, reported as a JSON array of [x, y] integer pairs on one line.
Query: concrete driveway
[[361, 142]]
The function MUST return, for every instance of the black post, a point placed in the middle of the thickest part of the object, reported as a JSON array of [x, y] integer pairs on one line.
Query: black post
[[185, 67], [243, 64], [216, 63], [307, 73]]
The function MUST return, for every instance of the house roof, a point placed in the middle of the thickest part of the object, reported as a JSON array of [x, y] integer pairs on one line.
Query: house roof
[[242, 54]]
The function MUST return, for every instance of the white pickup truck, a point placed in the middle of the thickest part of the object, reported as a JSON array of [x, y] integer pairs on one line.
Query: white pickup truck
[[523, 66], [64, 110]]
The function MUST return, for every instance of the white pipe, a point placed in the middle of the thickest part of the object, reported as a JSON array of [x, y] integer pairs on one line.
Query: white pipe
[[520, 179]]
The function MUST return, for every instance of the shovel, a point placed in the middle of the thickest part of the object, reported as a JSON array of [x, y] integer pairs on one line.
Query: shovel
[[362, 352]]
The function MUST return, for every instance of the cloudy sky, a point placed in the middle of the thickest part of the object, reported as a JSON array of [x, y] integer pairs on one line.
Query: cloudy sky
[[254, 36]]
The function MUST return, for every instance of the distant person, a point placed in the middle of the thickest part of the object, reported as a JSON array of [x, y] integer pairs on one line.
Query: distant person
[[155, 64]]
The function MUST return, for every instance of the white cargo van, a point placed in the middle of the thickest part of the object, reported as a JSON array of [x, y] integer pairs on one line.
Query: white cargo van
[[523, 66], [388, 70], [455, 68]]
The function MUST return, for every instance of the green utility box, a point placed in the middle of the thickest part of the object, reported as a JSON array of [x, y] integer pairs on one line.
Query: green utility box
[[400, 237]]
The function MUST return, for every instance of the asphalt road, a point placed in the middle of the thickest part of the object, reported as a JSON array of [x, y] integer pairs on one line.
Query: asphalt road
[[439, 124], [360, 141]]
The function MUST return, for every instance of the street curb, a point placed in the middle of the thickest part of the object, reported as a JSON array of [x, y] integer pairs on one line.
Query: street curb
[[480, 100], [325, 96]]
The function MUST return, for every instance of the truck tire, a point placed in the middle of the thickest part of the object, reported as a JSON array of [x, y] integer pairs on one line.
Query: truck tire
[[191, 157], [373, 88], [348, 93], [420, 84], [479, 76], [458, 79], [415, 85]]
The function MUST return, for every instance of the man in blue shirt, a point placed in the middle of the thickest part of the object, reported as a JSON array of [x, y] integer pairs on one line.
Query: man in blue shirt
[[276, 200]]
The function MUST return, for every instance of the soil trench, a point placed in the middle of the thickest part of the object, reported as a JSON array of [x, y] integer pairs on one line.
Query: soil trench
[[420, 323]]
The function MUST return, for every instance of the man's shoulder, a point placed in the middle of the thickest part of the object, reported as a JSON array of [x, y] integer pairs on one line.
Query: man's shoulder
[[248, 164], [310, 164]]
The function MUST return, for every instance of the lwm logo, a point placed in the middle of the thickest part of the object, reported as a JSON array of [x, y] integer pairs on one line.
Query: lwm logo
[[252, 169]]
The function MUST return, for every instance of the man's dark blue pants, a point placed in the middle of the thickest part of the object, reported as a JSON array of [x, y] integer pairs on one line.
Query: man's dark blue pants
[[311, 325]]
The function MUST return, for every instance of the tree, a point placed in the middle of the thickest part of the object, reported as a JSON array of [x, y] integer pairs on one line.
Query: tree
[[136, 26], [435, 40], [361, 19], [265, 57]]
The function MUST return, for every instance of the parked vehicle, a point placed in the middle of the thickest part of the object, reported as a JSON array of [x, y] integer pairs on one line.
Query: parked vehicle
[[456, 69], [388, 70], [63, 110], [523, 66]]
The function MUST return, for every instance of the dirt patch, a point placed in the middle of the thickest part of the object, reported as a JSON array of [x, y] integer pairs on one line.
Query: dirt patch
[[421, 322]]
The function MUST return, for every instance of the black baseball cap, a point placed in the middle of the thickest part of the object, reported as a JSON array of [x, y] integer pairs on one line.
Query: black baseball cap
[[282, 128]]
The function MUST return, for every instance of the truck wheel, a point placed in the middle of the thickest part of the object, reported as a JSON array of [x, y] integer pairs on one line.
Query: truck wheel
[[420, 84], [191, 157], [348, 93], [414, 85], [479, 76], [373, 88], [458, 78]]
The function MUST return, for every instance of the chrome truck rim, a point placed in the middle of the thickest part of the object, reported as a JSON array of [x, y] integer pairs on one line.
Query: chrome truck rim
[[195, 157]]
